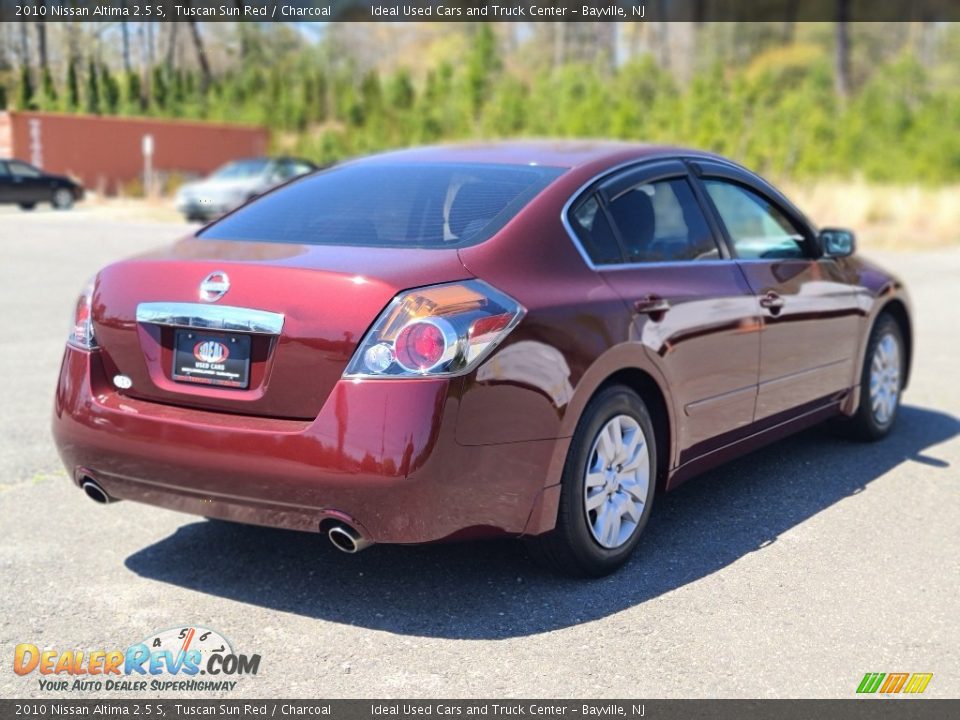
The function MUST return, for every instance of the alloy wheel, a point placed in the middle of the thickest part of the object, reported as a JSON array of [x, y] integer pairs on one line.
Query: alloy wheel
[[62, 199]]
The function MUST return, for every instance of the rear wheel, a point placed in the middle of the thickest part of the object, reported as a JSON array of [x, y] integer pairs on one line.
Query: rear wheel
[[62, 199], [881, 381], [607, 488]]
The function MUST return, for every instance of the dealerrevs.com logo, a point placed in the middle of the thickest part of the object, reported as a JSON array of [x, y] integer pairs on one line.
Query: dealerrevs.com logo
[[182, 659]]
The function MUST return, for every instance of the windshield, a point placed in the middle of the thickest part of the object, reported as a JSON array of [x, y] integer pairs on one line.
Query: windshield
[[415, 205], [240, 169]]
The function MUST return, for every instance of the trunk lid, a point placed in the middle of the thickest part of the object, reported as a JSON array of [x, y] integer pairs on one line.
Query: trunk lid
[[328, 297]]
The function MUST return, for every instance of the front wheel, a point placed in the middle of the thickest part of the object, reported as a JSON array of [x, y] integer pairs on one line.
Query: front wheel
[[607, 488], [881, 381], [62, 199], [27, 206]]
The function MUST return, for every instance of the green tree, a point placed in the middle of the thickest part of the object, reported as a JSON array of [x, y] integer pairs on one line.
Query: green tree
[[133, 99], [483, 63], [73, 88], [158, 89], [93, 89], [3, 96], [49, 90], [110, 91], [400, 92], [27, 100]]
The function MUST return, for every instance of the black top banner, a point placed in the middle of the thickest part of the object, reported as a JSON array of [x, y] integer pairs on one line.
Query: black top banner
[[478, 10]]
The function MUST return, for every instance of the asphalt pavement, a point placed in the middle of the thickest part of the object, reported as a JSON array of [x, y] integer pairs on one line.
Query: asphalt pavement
[[788, 573]]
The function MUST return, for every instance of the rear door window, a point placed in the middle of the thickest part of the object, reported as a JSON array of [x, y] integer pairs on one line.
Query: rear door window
[[390, 205], [662, 222], [589, 222]]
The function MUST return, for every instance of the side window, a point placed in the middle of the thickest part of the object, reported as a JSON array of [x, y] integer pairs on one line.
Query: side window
[[757, 227], [4, 173], [590, 224], [662, 222], [23, 170], [285, 170]]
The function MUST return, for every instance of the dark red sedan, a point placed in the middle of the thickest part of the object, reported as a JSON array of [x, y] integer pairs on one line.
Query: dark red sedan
[[522, 339]]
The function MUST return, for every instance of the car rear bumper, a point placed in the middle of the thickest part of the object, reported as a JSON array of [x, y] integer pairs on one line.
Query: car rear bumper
[[380, 455]]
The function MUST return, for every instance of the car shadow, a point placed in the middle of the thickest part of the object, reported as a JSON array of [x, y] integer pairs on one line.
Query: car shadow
[[490, 590]]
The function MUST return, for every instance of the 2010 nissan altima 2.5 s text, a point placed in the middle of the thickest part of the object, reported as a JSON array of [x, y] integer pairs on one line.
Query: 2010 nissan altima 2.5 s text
[[521, 339]]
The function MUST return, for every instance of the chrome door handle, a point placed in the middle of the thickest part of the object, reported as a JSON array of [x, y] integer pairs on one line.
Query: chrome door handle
[[651, 304], [772, 301]]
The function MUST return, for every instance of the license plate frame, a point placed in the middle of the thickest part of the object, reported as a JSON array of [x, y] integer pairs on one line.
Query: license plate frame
[[211, 358]]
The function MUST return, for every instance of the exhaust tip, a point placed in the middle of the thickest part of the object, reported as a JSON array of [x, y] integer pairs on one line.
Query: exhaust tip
[[342, 539], [346, 539], [95, 492]]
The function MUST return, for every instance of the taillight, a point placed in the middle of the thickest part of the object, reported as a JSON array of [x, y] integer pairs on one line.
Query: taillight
[[440, 330], [82, 334]]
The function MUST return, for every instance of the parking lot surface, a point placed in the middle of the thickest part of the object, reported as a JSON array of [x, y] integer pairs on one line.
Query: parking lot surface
[[789, 573]]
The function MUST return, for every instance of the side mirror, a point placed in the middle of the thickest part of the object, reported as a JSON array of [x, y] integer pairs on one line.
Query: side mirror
[[837, 243]]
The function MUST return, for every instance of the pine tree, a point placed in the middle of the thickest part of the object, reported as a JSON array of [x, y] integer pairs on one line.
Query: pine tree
[[110, 91], [482, 63], [27, 101], [93, 89], [322, 111], [49, 90], [158, 89], [401, 93], [73, 88], [179, 92], [133, 99]]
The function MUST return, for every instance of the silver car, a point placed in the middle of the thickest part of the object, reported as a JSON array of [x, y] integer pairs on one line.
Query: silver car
[[236, 182]]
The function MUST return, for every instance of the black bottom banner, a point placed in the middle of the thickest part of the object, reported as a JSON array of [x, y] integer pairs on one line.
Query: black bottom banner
[[854, 709]]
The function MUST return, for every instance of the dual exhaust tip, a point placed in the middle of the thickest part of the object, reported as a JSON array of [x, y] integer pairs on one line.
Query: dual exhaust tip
[[343, 537]]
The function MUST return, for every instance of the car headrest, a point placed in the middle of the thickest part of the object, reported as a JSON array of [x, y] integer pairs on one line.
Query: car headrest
[[633, 214]]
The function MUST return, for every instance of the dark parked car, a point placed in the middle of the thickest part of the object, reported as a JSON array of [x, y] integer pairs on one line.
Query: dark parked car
[[510, 339], [235, 183], [24, 185]]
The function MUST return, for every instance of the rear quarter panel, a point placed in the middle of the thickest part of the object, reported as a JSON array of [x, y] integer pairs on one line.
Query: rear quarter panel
[[576, 334]]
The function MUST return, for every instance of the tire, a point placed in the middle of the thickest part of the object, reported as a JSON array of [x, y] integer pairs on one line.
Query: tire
[[581, 544], [883, 362], [62, 199], [27, 206]]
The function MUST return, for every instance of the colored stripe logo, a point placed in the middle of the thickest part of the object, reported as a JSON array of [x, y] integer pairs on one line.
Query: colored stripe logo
[[892, 683]]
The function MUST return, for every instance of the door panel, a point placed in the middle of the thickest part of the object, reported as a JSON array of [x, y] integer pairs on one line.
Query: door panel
[[6, 185], [28, 183], [809, 341], [691, 308], [707, 344], [810, 316]]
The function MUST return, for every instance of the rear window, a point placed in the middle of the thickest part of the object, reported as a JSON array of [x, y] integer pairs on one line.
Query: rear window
[[416, 205]]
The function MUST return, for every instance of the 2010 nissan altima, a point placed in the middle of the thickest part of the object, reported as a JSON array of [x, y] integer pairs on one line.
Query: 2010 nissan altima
[[526, 339]]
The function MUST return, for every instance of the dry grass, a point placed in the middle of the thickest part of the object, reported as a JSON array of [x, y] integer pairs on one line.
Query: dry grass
[[887, 217]]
